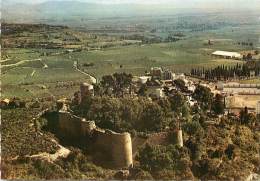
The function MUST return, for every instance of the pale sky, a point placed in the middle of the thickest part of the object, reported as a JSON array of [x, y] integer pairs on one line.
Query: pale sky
[[131, 1], [102, 1], [142, 1], [178, 3]]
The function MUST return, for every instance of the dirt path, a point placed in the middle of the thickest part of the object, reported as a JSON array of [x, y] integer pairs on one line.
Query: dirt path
[[25, 61], [21, 62], [44, 65], [61, 153], [33, 72], [93, 79], [5, 60]]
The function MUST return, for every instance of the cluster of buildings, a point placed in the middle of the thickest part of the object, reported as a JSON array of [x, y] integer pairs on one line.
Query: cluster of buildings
[[162, 74], [160, 79], [238, 96], [158, 73], [237, 88], [156, 83]]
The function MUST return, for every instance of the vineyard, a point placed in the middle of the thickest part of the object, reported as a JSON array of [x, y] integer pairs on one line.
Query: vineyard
[[19, 137]]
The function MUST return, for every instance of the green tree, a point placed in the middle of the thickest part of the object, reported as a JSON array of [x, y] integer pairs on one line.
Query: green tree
[[247, 118], [192, 128], [185, 111], [122, 81], [177, 102], [204, 96], [143, 90], [218, 104], [152, 118], [155, 158], [98, 90], [106, 112], [180, 84], [159, 158], [107, 82]]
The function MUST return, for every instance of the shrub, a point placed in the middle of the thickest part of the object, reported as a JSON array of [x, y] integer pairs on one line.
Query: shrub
[[158, 158], [47, 170], [193, 128]]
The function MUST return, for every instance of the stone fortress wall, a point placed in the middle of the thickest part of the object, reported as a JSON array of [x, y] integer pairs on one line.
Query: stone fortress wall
[[117, 146], [74, 126]]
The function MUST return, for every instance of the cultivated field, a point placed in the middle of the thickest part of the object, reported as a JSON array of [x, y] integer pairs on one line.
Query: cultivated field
[[40, 72]]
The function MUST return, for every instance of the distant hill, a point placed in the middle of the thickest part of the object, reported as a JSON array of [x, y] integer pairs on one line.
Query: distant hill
[[56, 10], [64, 12]]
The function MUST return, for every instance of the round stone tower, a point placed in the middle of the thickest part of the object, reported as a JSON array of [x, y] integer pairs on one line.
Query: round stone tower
[[179, 138], [176, 137], [117, 146], [86, 90], [122, 150]]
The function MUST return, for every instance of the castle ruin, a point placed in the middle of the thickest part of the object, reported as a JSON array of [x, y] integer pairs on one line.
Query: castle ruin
[[116, 146]]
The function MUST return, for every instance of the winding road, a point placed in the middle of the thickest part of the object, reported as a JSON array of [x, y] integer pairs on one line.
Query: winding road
[[20, 63], [92, 78]]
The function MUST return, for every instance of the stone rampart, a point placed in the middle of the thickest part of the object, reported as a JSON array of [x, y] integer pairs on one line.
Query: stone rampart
[[116, 146]]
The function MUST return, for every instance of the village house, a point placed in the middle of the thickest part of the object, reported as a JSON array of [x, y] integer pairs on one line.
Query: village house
[[143, 79], [161, 73], [156, 72], [155, 88], [168, 75]]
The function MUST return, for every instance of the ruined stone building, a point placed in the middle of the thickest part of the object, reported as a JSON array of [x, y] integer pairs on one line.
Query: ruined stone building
[[116, 146]]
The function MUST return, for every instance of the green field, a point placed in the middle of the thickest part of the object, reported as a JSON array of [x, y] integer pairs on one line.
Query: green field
[[180, 56], [26, 79]]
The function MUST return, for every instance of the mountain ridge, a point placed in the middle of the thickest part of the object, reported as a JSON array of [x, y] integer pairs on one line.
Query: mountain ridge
[[66, 10]]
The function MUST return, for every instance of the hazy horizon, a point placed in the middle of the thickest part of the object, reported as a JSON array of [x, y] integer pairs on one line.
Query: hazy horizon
[[150, 2], [66, 10]]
